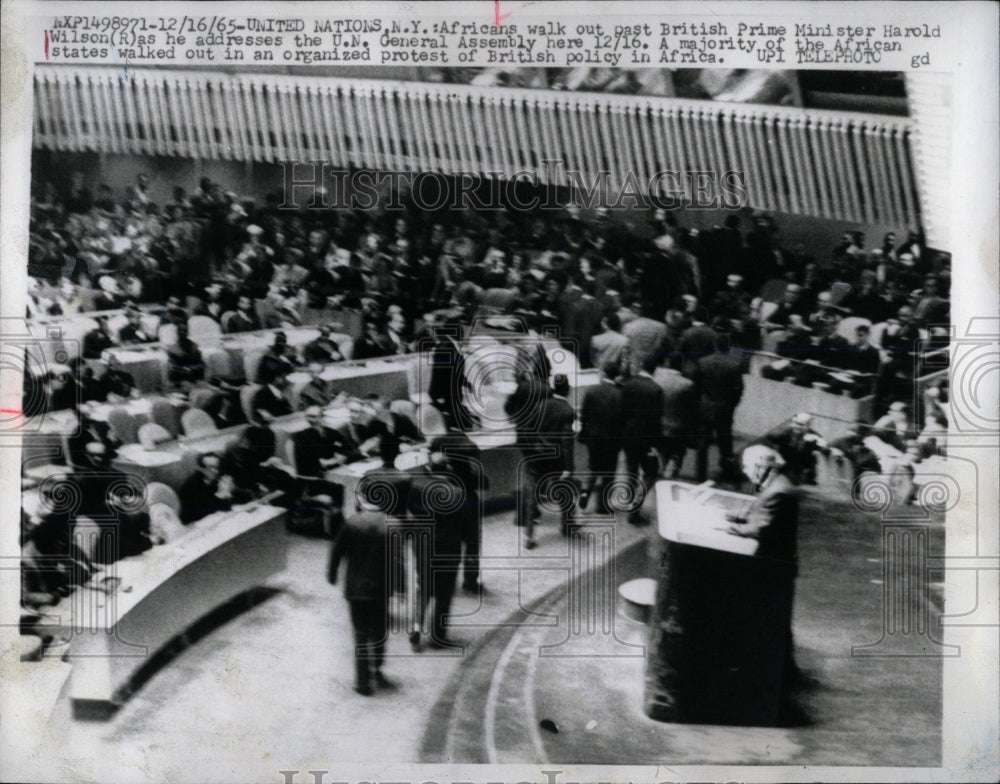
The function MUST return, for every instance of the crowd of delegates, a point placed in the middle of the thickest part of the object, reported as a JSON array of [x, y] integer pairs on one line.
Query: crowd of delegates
[[665, 312], [216, 254]]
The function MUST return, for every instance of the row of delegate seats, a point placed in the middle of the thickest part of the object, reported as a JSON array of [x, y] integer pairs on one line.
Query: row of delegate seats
[[65, 333]]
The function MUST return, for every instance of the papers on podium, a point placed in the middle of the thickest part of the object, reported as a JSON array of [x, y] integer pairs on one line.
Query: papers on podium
[[696, 515]]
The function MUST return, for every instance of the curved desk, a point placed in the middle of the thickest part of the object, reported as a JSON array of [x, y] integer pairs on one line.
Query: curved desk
[[161, 594]]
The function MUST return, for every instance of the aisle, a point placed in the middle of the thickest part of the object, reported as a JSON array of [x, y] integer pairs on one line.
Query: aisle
[[272, 687], [588, 709]]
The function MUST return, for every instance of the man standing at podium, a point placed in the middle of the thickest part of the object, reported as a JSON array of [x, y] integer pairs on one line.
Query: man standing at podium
[[773, 520], [773, 517]]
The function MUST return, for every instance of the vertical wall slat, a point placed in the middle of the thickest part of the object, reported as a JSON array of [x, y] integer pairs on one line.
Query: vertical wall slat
[[906, 177], [421, 122], [879, 175], [792, 183], [888, 154], [849, 167], [407, 112], [44, 134], [159, 122]]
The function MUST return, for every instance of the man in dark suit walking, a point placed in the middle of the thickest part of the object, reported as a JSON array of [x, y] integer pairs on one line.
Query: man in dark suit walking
[[583, 321], [363, 542], [447, 371], [642, 415], [680, 412], [548, 454], [389, 488], [600, 432], [465, 459], [436, 497], [719, 381]]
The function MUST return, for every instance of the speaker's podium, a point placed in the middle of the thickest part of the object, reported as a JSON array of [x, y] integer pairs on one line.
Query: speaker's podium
[[719, 629]]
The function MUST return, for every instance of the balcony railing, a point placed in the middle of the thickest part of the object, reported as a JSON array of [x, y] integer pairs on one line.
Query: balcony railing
[[838, 165]]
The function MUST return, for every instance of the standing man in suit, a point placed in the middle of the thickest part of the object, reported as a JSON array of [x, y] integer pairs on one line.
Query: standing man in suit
[[773, 520], [465, 460], [583, 320], [546, 443], [642, 423], [448, 381], [557, 441], [436, 496], [645, 336], [680, 412], [610, 345], [389, 488], [719, 381], [600, 432], [363, 542]]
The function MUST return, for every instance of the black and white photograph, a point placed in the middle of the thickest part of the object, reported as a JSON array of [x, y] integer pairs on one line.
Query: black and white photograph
[[499, 391]]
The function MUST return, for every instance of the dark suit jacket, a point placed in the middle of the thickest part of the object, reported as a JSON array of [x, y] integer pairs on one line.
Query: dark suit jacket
[[525, 406], [367, 347], [866, 360], [184, 361], [242, 459], [719, 378], [773, 520], [243, 322], [601, 415], [266, 400], [403, 430], [130, 334], [465, 458], [583, 321], [94, 343], [447, 370], [680, 403], [557, 431], [68, 397], [118, 382], [272, 366], [363, 542], [198, 498], [642, 409], [322, 350], [311, 445], [434, 496]]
